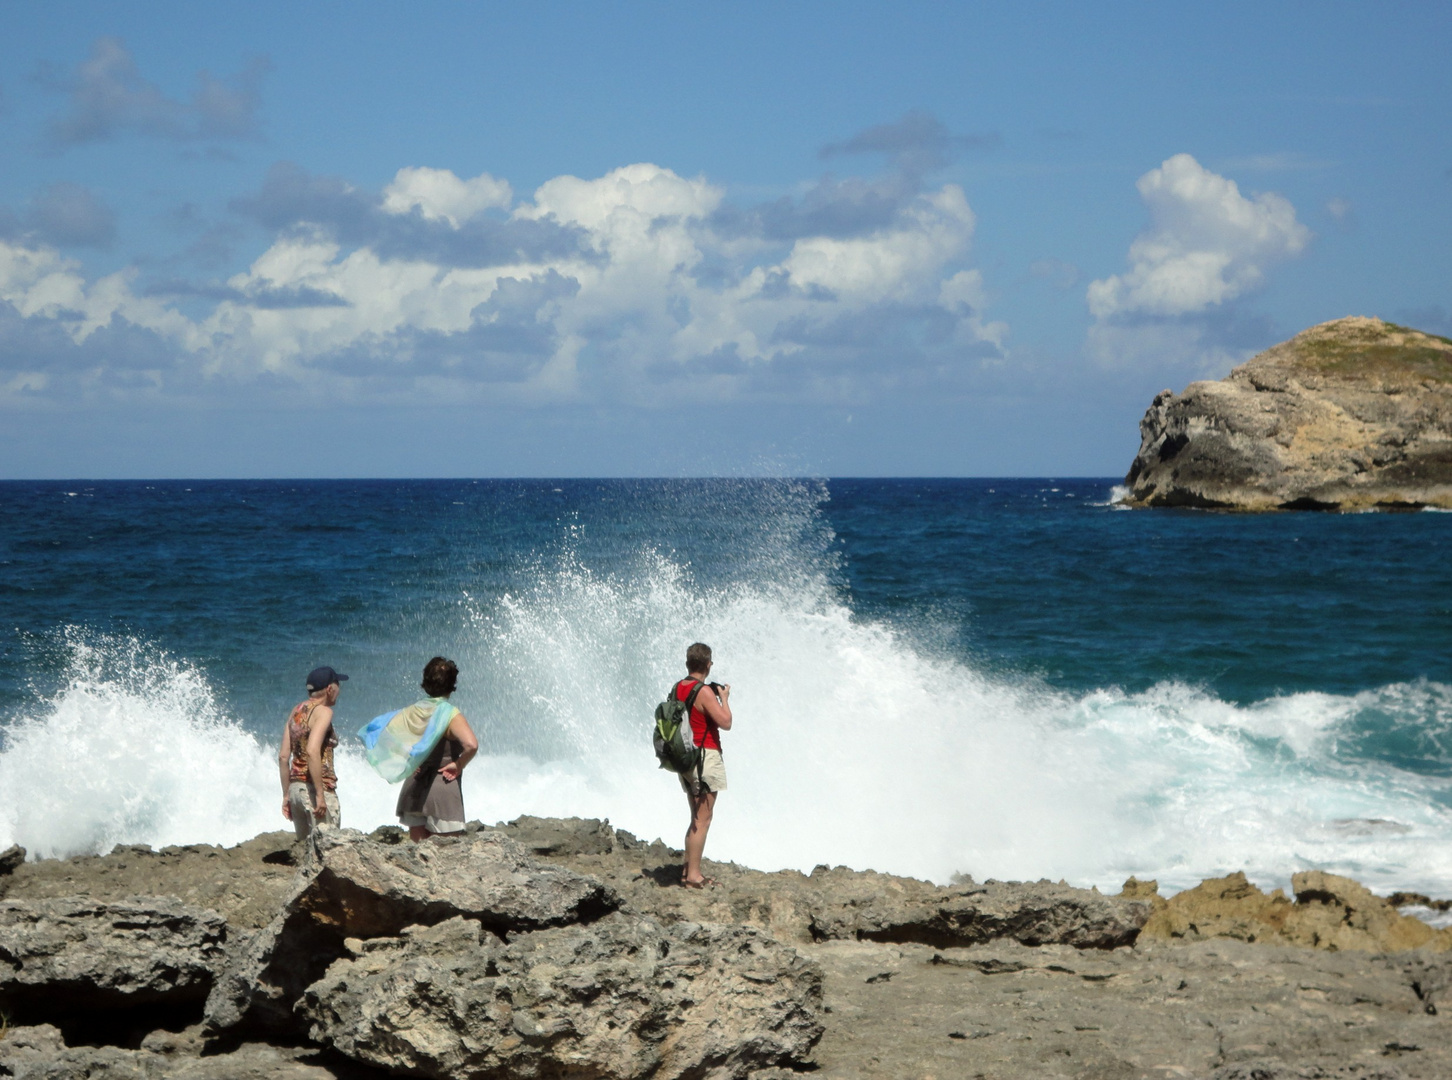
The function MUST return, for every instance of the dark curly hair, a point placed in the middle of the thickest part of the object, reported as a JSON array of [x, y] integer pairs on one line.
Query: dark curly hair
[[440, 677]]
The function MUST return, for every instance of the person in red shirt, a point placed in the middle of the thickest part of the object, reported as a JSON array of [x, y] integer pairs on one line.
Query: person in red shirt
[[710, 715]]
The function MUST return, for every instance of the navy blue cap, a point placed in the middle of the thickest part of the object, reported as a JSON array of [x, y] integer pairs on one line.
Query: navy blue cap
[[321, 677]]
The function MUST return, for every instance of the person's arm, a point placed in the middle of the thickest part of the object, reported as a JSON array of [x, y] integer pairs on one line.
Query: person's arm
[[321, 722], [284, 760], [463, 734], [717, 710]]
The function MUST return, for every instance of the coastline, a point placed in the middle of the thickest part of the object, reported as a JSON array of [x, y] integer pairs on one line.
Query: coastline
[[862, 973]]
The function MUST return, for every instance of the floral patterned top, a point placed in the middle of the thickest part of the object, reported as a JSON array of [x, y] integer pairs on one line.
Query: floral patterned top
[[299, 726]]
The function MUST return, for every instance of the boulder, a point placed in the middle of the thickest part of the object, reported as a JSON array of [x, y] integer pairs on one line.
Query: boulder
[[83, 954], [1350, 414], [10, 858], [877, 907], [1337, 913], [1228, 907], [555, 837], [365, 888], [352, 885], [1330, 912], [624, 997]]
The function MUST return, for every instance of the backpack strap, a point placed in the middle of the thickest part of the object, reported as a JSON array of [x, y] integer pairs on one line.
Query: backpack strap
[[695, 692], [691, 704]]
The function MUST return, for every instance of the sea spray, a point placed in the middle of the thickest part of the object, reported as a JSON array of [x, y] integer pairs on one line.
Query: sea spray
[[858, 739]]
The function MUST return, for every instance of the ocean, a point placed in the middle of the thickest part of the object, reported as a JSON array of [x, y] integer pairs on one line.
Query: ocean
[[1004, 678]]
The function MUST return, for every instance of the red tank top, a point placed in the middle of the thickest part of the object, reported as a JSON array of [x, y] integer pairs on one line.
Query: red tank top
[[703, 729]]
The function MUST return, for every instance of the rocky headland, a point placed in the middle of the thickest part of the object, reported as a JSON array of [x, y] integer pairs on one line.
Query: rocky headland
[[1354, 414], [549, 948]]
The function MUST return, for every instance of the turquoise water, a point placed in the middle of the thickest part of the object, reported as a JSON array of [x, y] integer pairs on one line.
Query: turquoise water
[[1011, 678]]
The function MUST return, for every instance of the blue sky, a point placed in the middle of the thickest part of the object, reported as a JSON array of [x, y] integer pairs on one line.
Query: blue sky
[[665, 239]]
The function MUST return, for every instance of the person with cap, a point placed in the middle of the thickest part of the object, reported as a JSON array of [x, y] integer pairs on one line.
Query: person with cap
[[305, 759]]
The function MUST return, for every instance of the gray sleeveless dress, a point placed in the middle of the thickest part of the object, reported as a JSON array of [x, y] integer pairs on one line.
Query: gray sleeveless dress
[[428, 799]]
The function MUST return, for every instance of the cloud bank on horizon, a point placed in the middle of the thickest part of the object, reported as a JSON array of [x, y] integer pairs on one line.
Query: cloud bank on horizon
[[618, 285]]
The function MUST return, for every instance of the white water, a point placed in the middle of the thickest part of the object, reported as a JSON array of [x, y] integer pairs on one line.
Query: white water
[[852, 745]]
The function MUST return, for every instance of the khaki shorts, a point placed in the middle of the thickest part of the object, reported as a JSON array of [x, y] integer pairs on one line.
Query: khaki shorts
[[299, 798], [713, 773]]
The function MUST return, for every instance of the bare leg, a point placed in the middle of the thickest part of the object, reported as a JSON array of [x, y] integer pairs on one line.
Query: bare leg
[[418, 832], [702, 807]]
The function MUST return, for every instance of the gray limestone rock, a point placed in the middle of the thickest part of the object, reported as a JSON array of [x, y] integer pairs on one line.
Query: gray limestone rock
[[40, 1053], [623, 997], [1350, 414], [86, 954], [10, 858], [877, 907], [365, 888], [352, 885], [838, 903]]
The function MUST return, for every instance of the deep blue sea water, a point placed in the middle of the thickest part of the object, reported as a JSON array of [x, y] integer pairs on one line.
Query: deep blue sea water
[[1011, 678]]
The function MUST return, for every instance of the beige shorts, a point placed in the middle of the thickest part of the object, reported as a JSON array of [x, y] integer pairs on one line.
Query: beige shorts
[[713, 773], [299, 798]]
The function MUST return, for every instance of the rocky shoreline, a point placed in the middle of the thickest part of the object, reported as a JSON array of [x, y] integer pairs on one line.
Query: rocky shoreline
[[552, 948]]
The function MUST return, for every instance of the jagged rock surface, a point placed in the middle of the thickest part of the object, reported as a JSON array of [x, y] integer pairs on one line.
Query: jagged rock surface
[[41, 1053], [879, 907], [836, 903], [98, 955], [1350, 414], [352, 885], [1197, 1004], [625, 997], [1330, 912]]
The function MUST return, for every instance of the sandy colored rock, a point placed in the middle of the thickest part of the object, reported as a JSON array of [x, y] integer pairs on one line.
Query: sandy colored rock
[[625, 997], [1350, 414], [1329, 912], [1228, 907], [82, 954], [1337, 913]]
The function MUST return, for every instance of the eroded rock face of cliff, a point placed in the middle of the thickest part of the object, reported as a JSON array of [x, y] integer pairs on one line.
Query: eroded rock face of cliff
[[623, 997], [357, 886], [83, 954], [1348, 415]]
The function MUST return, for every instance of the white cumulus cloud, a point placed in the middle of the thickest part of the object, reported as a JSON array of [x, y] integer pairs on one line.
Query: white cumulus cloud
[[617, 286], [1207, 244], [440, 195]]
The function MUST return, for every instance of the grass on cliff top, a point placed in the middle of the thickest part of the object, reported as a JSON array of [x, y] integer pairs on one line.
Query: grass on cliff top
[[1372, 350]]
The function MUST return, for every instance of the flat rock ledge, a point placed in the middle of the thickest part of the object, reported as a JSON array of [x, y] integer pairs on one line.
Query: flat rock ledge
[[79, 954], [838, 903], [1353, 414]]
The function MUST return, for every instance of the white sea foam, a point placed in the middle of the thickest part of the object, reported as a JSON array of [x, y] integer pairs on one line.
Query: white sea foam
[[853, 744]]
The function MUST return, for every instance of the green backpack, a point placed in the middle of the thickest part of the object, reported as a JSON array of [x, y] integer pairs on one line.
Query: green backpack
[[675, 746]]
